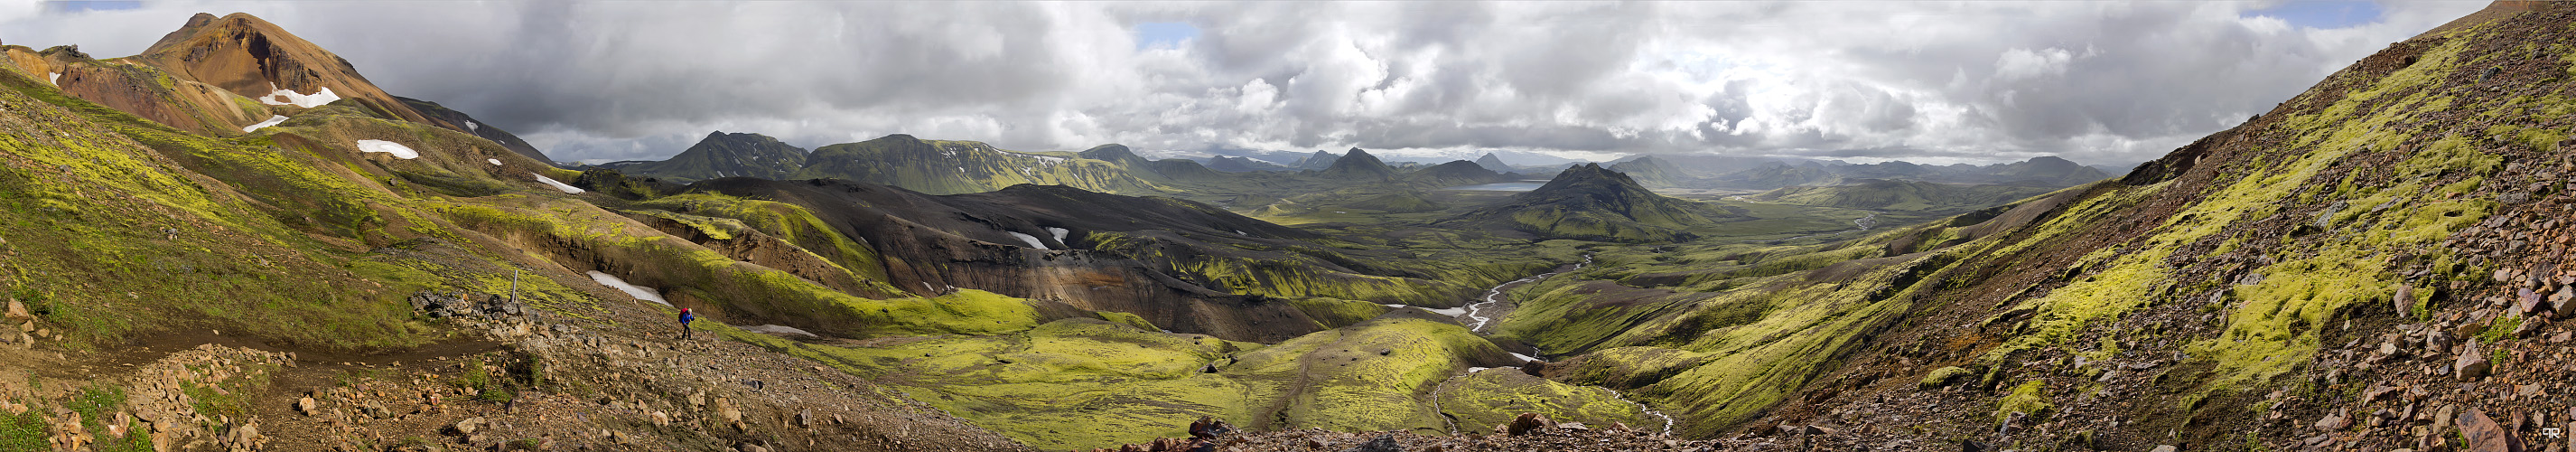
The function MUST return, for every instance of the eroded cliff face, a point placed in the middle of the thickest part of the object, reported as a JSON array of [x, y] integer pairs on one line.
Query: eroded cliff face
[[933, 245]]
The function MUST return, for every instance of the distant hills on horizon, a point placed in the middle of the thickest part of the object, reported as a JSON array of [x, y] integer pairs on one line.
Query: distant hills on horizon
[[956, 166]]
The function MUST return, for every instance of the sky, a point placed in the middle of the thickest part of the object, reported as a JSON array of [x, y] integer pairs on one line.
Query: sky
[[2097, 82]]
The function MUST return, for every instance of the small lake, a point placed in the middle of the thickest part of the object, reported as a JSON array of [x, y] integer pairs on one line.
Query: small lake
[[1503, 186]]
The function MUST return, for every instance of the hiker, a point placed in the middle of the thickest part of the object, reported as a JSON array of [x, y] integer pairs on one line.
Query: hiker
[[685, 317]]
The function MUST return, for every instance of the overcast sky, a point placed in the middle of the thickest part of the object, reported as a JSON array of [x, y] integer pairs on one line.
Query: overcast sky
[[2097, 82]]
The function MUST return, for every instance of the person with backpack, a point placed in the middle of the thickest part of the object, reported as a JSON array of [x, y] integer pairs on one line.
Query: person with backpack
[[685, 318]]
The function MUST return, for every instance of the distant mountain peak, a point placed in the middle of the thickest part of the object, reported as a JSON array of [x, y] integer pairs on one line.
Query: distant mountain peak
[[1358, 164], [1493, 163], [723, 154], [1112, 152]]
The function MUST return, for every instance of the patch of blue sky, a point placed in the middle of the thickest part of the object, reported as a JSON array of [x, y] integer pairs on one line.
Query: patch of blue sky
[[1164, 34], [76, 6]]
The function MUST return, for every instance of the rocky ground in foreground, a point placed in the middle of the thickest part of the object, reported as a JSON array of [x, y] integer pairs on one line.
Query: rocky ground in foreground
[[523, 380], [1532, 432]]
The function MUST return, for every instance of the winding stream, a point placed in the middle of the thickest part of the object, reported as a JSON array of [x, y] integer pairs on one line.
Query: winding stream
[[1476, 313]]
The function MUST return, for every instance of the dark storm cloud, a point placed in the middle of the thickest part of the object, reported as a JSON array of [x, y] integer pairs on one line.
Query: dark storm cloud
[[2100, 82]]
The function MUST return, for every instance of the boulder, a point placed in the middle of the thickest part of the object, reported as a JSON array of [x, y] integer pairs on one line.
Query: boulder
[[1528, 422], [1535, 368], [305, 405], [18, 312]]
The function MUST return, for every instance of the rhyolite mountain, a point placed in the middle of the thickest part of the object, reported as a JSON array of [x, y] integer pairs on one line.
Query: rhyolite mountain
[[725, 155], [256, 59], [1588, 202], [1493, 163]]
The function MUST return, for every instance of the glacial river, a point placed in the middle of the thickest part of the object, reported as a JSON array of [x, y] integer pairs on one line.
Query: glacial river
[[1477, 315]]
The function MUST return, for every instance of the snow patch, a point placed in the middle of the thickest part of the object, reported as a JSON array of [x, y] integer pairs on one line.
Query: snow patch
[[1477, 369], [397, 149], [1059, 233], [558, 185], [470, 126], [640, 293], [1524, 358], [54, 78], [495, 162], [1033, 240], [1452, 312], [272, 120], [290, 97], [1242, 234], [780, 330]]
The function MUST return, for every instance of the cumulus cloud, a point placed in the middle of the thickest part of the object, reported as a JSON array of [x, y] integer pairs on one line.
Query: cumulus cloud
[[2098, 82]]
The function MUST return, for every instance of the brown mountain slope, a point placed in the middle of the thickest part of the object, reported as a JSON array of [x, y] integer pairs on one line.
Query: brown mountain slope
[[256, 59]]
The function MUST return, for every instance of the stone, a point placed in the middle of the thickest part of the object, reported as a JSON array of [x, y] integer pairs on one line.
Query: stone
[[2437, 341], [2442, 421], [468, 426], [726, 410], [305, 405], [805, 418], [2528, 302], [2165, 448], [2558, 302], [18, 312], [2482, 433], [661, 419], [1574, 426], [1820, 430], [2405, 300], [1381, 444], [1208, 427], [1527, 422], [2472, 363], [2336, 421], [1535, 368]]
